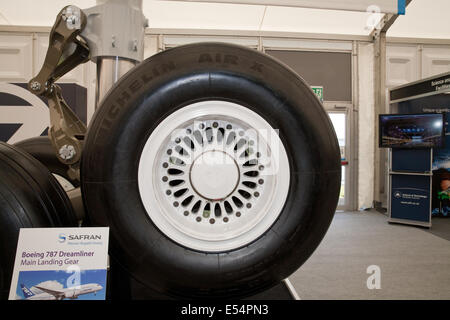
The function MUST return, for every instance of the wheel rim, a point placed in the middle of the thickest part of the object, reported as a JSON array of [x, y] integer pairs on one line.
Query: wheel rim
[[213, 176]]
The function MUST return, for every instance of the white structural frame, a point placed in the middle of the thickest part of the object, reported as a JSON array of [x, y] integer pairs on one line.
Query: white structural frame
[[379, 37], [381, 6]]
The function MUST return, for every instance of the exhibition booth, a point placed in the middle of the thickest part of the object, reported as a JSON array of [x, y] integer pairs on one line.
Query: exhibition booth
[[418, 135]]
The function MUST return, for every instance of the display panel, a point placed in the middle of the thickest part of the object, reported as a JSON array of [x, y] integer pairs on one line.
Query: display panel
[[411, 130]]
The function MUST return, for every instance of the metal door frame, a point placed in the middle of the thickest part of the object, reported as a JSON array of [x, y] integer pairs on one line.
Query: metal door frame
[[350, 193]]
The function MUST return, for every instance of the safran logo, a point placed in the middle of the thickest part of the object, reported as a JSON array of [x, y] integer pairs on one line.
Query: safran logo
[[84, 237], [62, 238]]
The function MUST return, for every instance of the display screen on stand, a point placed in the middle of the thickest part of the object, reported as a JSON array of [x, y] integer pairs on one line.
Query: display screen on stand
[[412, 130]]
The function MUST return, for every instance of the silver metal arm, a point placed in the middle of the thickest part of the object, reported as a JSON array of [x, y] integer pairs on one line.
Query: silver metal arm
[[112, 35]]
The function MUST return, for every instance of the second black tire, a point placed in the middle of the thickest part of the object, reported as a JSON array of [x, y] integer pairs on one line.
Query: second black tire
[[30, 197], [168, 83]]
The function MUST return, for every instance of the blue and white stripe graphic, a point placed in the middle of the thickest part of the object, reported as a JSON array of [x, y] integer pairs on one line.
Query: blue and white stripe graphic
[[24, 115]]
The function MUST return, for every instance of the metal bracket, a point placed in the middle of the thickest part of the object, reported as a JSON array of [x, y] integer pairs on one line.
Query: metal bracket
[[66, 132], [386, 22], [108, 36], [66, 51]]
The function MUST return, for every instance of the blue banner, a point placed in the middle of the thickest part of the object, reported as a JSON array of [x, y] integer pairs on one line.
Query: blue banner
[[410, 197]]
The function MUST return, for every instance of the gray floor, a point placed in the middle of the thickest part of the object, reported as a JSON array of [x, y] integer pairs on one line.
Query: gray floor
[[414, 263], [441, 228]]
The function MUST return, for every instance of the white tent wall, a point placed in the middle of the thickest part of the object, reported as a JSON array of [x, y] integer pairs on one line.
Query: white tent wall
[[418, 46], [192, 15], [422, 20]]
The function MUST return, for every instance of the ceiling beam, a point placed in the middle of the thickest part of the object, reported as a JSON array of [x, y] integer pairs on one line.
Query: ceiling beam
[[384, 6], [385, 23]]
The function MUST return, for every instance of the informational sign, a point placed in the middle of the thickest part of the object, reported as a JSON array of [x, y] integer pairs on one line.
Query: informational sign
[[60, 263], [318, 91], [427, 87], [410, 198], [435, 102]]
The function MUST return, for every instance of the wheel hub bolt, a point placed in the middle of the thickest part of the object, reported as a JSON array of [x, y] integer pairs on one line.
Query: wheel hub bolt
[[67, 152], [35, 86]]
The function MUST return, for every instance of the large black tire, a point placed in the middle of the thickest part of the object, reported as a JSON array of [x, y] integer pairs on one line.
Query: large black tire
[[29, 197], [164, 84], [42, 149]]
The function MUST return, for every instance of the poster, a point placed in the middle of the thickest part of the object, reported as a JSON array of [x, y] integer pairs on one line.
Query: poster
[[60, 264], [441, 180]]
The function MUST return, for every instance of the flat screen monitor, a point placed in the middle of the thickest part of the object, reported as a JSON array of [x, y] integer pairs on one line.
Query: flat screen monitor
[[412, 130]]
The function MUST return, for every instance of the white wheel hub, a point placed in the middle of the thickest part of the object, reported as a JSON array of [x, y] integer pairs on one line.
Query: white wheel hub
[[213, 176]]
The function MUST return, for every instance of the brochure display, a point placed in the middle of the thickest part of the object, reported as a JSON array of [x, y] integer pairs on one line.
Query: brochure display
[[60, 263]]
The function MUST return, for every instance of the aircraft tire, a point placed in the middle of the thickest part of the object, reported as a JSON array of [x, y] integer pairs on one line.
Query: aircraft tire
[[261, 214], [30, 197]]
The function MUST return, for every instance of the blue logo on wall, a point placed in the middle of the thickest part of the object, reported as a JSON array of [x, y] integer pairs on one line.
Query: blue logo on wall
[[62, 238]]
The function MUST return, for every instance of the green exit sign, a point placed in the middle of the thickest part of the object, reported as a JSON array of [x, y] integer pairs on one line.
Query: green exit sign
[[318, 91]]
